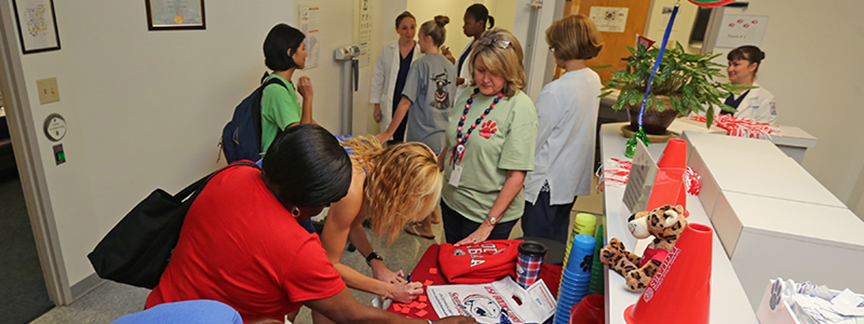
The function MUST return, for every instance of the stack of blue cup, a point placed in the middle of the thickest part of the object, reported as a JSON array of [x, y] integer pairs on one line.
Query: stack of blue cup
[[576, 276]]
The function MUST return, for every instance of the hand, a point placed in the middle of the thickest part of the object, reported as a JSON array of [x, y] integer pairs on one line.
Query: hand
[[456, 320], [377, 113], [382, 273], [446, 52], [479, 235], [404, 292], [383, 137], [304, 87]]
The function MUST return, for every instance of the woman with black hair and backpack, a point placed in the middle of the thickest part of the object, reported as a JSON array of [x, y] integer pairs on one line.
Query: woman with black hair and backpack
[[284, 53]]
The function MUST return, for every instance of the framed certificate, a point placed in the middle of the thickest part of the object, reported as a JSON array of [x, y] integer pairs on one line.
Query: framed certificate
[[175, 14], [37, 25]]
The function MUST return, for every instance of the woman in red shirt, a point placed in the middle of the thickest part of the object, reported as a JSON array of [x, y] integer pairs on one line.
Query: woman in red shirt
[[242, 244]]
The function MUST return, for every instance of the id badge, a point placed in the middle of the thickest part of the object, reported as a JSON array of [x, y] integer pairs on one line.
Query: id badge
[[455, 175]]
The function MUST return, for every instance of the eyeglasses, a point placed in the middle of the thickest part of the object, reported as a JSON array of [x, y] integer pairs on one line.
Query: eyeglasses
[[499, 43]]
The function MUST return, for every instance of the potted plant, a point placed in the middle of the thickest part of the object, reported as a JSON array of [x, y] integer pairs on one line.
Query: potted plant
[[684, 84]]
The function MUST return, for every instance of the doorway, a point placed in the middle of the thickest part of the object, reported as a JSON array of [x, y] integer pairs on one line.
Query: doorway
[[23, 296]]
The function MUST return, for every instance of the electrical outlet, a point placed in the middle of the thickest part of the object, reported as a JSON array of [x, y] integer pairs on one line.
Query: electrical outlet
[[48, 90]]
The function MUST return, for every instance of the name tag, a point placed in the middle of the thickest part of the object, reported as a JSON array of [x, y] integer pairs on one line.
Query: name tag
[[455, 175]]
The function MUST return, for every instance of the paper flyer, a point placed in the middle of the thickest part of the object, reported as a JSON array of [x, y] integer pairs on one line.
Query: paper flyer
[[502, 301]]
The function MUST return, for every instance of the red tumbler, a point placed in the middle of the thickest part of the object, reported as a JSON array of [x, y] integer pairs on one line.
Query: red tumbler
[[590, 310]]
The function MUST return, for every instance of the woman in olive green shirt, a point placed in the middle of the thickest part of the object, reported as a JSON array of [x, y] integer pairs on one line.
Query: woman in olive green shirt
[[284, 52], [490, 145]]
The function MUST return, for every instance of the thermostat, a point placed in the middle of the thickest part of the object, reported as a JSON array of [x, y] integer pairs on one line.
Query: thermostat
[[55, 127]]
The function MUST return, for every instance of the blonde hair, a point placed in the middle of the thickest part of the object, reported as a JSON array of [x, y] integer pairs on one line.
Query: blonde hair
[[574, 38], [435, 29], [403, 183], [506, 63]]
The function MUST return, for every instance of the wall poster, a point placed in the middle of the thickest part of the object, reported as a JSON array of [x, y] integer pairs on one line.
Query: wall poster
[[610, 19], [308, 20], [37, 25]]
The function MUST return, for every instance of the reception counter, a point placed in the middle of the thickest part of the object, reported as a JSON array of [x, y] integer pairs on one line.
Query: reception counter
[[729, 303]]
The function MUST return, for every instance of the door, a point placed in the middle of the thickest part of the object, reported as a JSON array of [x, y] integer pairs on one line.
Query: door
[[608, 13]]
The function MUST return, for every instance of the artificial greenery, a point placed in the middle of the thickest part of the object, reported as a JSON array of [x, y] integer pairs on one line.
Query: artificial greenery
[[687, 79]]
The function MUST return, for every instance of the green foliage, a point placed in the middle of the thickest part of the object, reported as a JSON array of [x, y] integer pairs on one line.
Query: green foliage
[[687, 79]]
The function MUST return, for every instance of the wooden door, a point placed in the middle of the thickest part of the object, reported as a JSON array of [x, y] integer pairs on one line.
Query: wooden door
[[615, 49]]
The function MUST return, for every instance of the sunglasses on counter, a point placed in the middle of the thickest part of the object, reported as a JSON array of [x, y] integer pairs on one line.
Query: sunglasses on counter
[[499, 43]]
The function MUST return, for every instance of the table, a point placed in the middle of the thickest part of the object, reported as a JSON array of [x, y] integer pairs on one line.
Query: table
[[729, 303], [551, 274]]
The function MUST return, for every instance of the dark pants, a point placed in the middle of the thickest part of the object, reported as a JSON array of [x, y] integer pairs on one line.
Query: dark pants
[[399, 135], [457, 227], [548, 221]]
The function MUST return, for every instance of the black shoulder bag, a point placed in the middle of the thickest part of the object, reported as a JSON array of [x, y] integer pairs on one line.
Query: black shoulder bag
[[136, 251]]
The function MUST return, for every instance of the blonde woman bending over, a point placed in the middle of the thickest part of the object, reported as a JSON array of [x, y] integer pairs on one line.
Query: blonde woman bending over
[[390, 186]]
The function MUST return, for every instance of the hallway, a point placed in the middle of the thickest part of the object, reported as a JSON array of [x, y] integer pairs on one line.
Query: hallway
[[23, 296]]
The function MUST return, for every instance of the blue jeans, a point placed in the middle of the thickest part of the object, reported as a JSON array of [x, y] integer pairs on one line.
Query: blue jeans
[[457, 227]]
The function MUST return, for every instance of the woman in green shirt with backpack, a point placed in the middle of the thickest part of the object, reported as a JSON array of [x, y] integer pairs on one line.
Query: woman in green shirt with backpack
[[284, 52]]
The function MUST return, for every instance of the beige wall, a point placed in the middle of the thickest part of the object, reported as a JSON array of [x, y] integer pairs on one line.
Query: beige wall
[[426, 10], [146, 109], [683, 24], [811, 67]]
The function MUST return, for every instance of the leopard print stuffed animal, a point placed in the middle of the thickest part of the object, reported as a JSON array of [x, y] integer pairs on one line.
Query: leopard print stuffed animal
[[666, 223]]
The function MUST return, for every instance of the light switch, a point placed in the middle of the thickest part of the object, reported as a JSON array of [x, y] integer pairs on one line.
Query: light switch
[[59, 155], [48, 90]]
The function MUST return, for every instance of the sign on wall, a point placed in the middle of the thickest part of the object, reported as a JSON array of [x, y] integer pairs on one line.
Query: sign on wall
[[738, 30], [309, 16], [610, 19]]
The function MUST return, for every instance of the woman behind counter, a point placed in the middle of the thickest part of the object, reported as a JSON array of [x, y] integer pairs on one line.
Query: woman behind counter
[[390, 73], [490, 145], [757, 104]]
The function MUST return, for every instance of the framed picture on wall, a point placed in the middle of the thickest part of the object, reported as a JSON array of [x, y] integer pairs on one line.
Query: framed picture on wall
[[37, 25], [175, 14]]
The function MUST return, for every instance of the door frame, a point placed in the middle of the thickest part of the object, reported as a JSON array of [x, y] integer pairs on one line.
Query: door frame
[[24, 134]]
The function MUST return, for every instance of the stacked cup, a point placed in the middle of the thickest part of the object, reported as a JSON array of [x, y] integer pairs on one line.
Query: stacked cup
[[576, 276]]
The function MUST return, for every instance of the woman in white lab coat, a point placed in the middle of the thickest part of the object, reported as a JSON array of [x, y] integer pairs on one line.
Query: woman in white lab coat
[[473, 25], [391, 71], [757, 104]]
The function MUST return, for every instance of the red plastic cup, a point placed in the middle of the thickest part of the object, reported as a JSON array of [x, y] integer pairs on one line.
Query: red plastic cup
[[591, 310]]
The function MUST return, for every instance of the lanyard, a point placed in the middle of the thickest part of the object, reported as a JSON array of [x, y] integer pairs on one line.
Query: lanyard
[[459, 150]]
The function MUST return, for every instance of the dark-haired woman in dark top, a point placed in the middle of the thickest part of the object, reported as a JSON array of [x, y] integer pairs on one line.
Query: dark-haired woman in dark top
[[474, 23]]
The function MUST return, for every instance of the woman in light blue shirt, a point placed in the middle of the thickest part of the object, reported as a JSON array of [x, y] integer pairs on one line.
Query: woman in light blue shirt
[[567, 113]]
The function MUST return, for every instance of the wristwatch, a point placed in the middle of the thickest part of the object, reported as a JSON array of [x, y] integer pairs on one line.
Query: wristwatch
[[492, 220], [371, 256]]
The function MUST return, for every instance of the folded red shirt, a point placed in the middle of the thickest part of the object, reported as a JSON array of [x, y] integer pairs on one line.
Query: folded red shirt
[[482, 262]]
